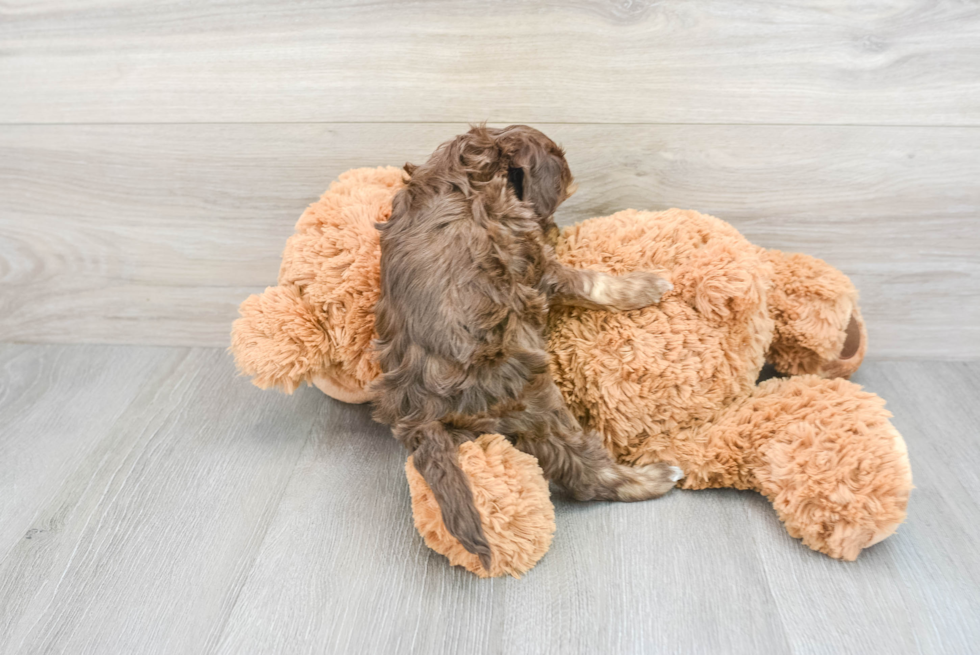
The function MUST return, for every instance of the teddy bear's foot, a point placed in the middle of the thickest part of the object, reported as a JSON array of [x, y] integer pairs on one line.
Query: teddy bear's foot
[[835, 468], [512, 497]]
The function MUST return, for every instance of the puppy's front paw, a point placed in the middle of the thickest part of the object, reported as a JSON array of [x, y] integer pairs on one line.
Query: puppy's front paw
[[640, 289]]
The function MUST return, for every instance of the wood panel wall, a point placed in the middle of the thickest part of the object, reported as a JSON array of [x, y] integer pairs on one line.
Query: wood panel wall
[[153, 158]]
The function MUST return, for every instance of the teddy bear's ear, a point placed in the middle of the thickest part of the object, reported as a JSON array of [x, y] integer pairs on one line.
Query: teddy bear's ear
[[818, 325], [278, 340]]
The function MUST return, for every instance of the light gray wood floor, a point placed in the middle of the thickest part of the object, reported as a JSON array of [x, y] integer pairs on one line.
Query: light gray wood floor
[[152, 502]]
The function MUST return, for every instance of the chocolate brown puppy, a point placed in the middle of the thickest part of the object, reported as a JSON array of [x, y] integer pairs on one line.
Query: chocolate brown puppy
[[468, 273]]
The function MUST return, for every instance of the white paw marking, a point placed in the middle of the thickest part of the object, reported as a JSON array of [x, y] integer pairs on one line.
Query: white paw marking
[[600, 291], [676, 473]]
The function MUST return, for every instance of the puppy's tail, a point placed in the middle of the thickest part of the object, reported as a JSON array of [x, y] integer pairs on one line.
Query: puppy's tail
[[436, 459]]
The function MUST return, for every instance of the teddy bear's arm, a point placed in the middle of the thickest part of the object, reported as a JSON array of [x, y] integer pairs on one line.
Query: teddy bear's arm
[[818, 325]]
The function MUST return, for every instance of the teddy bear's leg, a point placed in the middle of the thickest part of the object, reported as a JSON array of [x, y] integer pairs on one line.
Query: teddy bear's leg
[[576, 459], [824, 452], [511, 495]]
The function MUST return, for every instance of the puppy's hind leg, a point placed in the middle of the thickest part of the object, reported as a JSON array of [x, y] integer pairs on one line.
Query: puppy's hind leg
[[435, 455], [576, 459]]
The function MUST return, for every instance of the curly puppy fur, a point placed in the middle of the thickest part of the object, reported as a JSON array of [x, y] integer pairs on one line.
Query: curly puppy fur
[[468, 273]]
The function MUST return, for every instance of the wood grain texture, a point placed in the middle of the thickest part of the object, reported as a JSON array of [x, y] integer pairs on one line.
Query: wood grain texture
[[155, 234], [150, 532], [205, 516], [618, 578], [901, 62], [56, 405], [691, 573]]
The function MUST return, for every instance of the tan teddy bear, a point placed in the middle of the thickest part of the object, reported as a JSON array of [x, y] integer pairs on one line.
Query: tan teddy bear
[[673, 382]]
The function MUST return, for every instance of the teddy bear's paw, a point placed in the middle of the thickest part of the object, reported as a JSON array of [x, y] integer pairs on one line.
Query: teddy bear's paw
[[646, 482]]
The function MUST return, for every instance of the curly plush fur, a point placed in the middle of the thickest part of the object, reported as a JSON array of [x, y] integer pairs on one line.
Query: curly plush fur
[[511, 495], [674, 382], [317, 325]]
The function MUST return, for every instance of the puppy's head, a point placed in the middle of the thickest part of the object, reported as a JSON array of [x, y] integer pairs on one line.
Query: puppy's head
[[532, 165]]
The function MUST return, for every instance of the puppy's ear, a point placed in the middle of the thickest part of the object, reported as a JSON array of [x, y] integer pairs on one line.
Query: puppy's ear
[[515, 178], [543, 182], [536, 172]]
